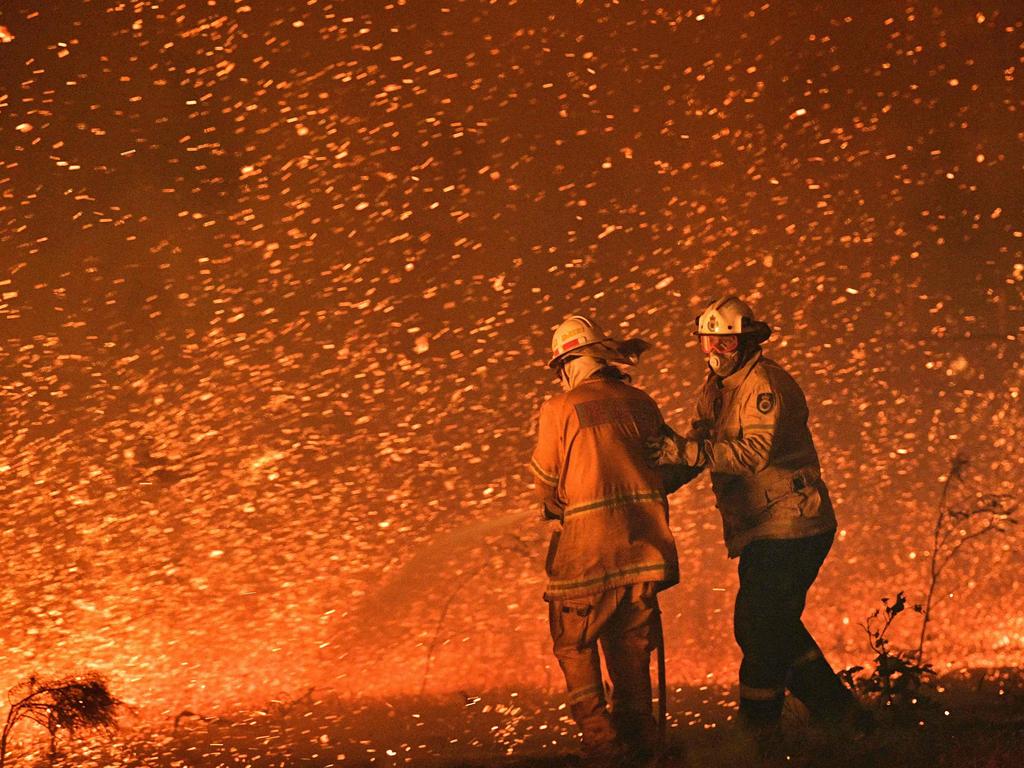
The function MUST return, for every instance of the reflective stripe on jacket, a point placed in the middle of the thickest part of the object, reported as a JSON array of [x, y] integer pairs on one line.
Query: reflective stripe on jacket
[[764, 468], [591, 469]]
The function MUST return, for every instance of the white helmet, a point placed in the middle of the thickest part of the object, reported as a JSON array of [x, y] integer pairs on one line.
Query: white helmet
[[573, 334], [581, 333], [729, 316]]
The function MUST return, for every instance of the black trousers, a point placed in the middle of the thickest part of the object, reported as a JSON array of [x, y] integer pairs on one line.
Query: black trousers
[[778, 651]]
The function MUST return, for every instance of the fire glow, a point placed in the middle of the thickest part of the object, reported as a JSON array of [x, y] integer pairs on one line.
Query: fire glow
[[277, 288]]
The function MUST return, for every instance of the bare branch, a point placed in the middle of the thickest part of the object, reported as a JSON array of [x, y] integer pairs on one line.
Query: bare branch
[[69, 704]]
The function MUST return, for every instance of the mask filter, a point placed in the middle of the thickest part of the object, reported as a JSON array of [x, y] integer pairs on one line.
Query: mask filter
[[724, 363]]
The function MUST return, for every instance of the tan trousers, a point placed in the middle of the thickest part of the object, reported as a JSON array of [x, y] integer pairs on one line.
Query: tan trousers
[[624, 622]]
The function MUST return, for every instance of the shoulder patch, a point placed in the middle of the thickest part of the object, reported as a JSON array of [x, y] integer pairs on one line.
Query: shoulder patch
[[765, 402]]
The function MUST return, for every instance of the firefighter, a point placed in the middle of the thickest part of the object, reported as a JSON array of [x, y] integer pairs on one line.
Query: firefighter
[[751, 434], [613, 551]]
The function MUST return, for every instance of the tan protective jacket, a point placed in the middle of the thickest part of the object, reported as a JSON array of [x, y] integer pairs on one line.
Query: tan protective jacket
[[591, 470], [764, 468]]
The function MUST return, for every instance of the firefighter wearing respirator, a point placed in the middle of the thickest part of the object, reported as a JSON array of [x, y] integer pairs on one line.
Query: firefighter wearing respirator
[[750, 433]]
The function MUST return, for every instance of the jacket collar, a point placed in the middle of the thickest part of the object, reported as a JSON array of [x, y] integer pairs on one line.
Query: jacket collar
[[737, 377]]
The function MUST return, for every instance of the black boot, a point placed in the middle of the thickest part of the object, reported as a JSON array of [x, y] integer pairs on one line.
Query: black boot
[[761, 722], [639, 731], [831, 704]]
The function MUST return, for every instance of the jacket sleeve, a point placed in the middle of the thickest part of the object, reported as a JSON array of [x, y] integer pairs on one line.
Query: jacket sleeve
[[703, 419], [675, 476], [546, 462], [750, 452]]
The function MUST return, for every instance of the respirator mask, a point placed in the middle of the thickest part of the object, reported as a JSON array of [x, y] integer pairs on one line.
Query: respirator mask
[[724, 353]]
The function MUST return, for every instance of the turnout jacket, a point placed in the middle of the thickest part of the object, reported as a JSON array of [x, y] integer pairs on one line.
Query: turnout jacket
[[764, 469], [592, 473]]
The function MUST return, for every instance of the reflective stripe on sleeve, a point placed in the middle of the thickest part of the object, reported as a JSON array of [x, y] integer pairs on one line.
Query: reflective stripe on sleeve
[[545, 477]]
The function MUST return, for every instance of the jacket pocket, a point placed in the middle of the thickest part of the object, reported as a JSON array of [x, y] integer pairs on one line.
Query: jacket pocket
[[811, 500]]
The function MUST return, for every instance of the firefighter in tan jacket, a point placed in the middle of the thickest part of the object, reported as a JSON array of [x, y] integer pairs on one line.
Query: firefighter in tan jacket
[[614, 550], [750, 432]]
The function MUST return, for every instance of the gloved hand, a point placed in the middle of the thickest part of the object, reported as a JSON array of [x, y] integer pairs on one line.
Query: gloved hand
[[693, 453], [663, 449], [670, 448]]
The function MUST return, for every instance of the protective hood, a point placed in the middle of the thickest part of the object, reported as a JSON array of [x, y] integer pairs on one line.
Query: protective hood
[[578, 370], [593, 357]]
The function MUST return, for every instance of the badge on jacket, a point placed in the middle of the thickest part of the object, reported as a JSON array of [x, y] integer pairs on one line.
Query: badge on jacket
[[765, 402]]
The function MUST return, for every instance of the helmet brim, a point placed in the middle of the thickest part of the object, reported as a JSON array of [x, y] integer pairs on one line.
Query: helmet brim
[[624, 352], [554, 361]]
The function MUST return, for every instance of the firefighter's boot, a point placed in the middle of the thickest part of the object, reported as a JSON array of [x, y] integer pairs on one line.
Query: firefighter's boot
[[760, 721], [601, 745], [812, 680], [638, 731]]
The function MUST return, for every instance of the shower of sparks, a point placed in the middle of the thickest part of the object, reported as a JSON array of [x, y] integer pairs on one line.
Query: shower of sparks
[[278, 281]]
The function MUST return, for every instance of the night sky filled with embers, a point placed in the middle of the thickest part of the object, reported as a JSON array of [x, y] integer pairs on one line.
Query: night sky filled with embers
[[277, 283]]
